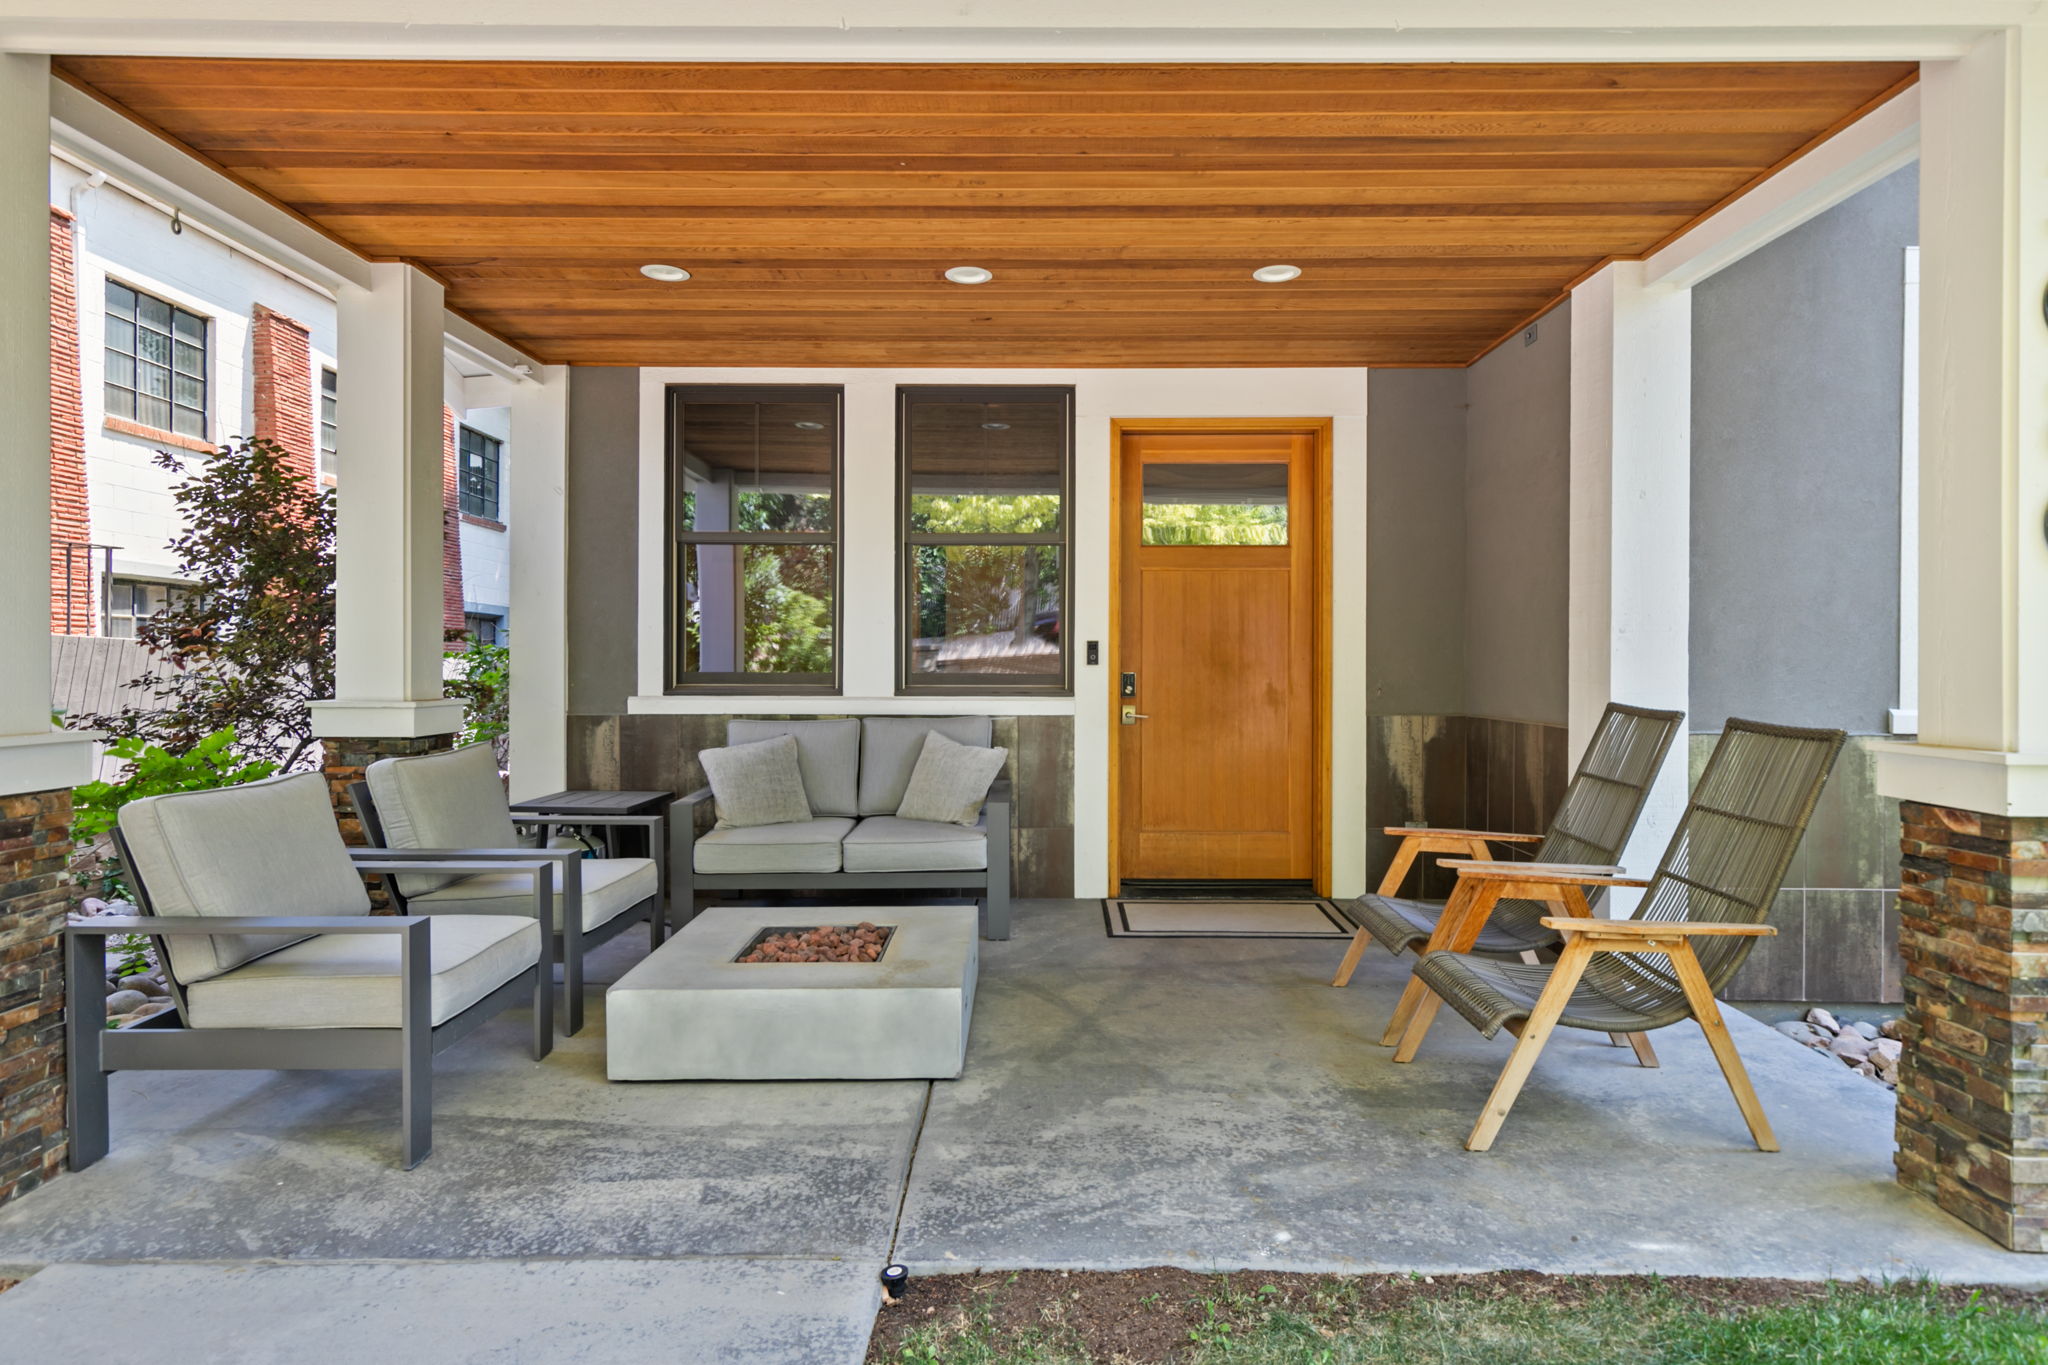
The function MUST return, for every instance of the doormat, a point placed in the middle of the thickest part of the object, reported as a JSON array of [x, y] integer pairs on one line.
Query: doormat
[[1224, 919]]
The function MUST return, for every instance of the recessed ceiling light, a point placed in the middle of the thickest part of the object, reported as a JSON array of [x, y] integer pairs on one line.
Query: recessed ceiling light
[[995, 426], [669, 273], [808, 426], [1276, 274], [969, 274]]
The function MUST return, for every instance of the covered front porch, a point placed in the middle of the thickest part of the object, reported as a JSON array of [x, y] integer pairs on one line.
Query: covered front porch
[[1505, 466], [1125, 1103]]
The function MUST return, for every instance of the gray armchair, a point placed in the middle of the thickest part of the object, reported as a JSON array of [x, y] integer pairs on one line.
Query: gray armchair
[[271, 954], [436, 806]]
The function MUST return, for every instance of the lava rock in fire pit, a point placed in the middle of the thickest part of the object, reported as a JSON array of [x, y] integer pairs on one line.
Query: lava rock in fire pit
[[861, 942]]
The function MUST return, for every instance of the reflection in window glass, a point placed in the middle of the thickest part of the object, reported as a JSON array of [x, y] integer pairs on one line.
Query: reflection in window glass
[[1215, 504], [757, 609], [982, 468], [987, 609], [758, 466]]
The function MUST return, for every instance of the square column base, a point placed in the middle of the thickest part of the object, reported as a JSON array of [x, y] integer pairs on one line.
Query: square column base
[[1973, 1084]]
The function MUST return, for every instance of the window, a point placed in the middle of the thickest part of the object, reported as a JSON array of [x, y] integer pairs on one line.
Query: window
[[754, 546], [982, 479], [476, 457], [130, 600], [156, 363], [330, 392], [1215, 504], [482, 629]]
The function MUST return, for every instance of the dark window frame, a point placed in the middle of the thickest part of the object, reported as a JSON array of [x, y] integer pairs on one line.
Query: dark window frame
[[912, 683], [133, 354], [677, 682], [492, 448], [125, 585], [475, 624]]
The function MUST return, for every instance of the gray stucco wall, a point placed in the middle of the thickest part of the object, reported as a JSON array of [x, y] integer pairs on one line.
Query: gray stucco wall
[[1415, 541], [1795, 471], [1517, 506], [603, 533]]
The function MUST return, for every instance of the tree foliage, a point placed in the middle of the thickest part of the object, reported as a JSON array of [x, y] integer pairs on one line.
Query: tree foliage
[[253, 642], [480, 677]]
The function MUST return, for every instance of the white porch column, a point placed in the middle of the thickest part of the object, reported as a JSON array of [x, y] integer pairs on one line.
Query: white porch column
[[33, 757], [387, 677], [1973, 893], [1631, 507], [537, 482]]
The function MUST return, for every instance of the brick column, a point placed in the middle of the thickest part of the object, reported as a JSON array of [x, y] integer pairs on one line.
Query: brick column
[[35, 895], [281, 370], [74, 606], [451, 533], [1973, 1085]]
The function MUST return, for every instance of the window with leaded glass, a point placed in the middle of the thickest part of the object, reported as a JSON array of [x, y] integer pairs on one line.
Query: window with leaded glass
[[477, 457]]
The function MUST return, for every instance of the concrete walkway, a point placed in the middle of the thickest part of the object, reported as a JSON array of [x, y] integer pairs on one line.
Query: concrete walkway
[[1127, 1102]]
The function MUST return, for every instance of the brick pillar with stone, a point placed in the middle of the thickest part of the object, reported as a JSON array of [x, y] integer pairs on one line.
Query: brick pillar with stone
[[35, 895], [1973, 1084], [281, 385]]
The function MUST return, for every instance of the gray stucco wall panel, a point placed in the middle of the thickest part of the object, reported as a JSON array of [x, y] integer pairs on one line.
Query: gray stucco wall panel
[[1795, 469], [603, 530], [1415, 541], [1517, 506]]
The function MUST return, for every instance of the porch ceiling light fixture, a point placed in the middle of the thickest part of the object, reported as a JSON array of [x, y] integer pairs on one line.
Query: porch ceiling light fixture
[[669, 274], [1276, 274], [995, 426], [808, 426], [969, 274]]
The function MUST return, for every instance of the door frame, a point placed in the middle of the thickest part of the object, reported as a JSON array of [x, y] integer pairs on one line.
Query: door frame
[[1320, 429]]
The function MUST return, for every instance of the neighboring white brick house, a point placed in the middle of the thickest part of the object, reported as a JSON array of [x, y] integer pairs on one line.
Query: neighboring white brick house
[[200, 282]]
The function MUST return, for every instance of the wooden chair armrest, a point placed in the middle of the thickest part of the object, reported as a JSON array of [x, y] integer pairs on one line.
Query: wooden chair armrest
[[1404, 831], [1555, 874], [1638, 928]]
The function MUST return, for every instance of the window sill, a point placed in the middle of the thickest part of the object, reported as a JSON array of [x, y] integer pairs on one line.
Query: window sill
[[469, 519], [124, 427], [814, 704]]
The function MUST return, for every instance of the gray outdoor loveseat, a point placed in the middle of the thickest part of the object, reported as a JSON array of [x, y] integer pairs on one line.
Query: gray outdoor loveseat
[[854, 774]]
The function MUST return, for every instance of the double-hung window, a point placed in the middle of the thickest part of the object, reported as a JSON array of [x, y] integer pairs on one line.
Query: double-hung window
[[983, 482], [753, 511], [477, 457], [155, 363]]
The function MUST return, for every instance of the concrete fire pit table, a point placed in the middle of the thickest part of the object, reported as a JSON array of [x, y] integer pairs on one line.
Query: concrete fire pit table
[[689, 1012]]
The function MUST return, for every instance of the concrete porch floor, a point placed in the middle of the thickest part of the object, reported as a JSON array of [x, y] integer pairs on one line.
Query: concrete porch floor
[[1126, 1102]]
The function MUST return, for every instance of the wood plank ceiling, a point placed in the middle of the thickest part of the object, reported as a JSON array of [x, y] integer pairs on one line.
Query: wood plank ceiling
[[1432, 209]]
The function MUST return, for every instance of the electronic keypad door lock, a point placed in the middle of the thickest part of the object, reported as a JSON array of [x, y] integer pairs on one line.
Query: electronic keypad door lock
[[1131, 716], [1127, 686]]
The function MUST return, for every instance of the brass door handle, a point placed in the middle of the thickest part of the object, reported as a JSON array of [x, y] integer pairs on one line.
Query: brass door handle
[[1131, 715]]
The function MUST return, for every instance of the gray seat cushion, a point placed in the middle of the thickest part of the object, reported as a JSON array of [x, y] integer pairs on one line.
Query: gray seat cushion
[[802, 846], [611, 887], [264, 848], [889, 748], [446, 800], [885, 843], [827, 751], [352, 980]]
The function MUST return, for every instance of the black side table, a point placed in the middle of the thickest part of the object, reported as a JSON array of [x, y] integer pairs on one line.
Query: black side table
[[593, 807]]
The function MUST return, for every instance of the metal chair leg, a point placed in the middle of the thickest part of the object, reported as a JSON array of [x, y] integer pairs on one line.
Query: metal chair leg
[[416, 1029], [85, 1022]]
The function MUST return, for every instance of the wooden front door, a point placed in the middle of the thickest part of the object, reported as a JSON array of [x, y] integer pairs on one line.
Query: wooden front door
[[1216, 724]]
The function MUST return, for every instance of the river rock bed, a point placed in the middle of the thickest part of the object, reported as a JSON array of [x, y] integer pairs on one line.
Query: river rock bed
[[135, 979], [1867, 1048]]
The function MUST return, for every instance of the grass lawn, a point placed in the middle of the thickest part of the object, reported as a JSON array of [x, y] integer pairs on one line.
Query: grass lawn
[[1510, 1318]]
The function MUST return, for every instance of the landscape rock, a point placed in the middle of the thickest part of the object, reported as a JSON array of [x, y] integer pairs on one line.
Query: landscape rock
[[1821, 1019], [142, 981], [124, 1002], [1893, 1028], [1866, 1069], [1866, 1030], [1799, 1031], [1887, 1050], [1850, 1047]]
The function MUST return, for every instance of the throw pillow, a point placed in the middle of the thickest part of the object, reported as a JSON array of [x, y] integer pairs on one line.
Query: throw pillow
[[950, 781], [756, 784]]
